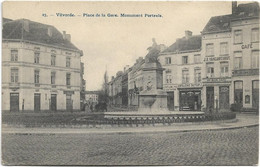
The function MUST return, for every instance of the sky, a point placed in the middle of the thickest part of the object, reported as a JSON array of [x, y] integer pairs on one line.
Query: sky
[[111, 43]]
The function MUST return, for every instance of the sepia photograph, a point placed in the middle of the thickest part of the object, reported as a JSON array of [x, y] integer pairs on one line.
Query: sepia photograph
[[127, 83]]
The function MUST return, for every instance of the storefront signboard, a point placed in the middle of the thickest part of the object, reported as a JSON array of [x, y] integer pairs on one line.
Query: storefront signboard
[[210, 59]]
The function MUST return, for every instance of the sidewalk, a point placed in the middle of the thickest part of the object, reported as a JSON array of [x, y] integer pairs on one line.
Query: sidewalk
[[242, 120]]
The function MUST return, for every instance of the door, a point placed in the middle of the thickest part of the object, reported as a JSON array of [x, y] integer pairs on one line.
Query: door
[[37, 102], [255, 94], [238, 94], [53, 102], [170, 100], [69, 106], [224, 97], [14, 101], [210, 98]]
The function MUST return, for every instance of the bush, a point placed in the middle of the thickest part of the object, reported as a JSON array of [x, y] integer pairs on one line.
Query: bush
[[236, 107]]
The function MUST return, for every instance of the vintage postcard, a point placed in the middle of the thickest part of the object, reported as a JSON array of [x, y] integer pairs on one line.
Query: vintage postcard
[[130, 83]]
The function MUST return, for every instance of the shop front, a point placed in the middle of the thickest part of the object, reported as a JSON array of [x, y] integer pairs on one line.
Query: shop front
[[190, 97], [190, 100]]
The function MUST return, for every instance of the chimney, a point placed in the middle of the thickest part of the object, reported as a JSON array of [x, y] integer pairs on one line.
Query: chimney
[[50, 31], [68, 37], [188, 34], [234, 7], [26, 25], [64, 35]]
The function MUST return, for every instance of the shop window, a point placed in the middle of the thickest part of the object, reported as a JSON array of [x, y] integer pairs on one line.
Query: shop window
[[238, 92]]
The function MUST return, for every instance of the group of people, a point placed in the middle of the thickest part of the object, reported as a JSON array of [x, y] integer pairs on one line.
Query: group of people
[[99, 107]]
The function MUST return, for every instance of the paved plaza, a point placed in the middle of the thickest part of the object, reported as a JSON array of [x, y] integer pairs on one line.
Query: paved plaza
[[220, 147]]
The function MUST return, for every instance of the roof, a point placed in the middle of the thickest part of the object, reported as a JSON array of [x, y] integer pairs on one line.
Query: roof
[[247, 10], [38, 32], [185, 44], [222, 23], [217, 24]]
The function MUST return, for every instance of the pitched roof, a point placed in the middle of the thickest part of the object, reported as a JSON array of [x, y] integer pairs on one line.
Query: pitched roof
[[217, 24], [38, 32], [185, 44], [247, 10], [222, 23]]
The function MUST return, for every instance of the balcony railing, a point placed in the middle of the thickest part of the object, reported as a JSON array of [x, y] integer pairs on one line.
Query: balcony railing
[[245, 72]]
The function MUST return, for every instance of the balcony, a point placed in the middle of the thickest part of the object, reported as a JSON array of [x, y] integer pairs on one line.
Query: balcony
[[245, 72]]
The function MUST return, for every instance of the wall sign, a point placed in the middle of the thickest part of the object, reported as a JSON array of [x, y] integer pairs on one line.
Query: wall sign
[[248, 46], [190, 85], [209, 59]]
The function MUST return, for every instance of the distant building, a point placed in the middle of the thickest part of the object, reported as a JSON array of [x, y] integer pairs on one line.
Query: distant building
[[41, 68], [182, 75], [91, 96]]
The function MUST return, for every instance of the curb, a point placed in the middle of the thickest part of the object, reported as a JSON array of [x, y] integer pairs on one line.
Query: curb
[[133, 132]]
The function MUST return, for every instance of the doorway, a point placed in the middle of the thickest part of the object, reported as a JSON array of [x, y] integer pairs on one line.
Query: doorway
[[37, 102], [14, 101]]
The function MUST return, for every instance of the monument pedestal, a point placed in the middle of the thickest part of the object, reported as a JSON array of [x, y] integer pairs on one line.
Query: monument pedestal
[[153, 102]]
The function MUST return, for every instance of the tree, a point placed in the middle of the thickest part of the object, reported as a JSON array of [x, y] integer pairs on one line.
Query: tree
[[103, 93]]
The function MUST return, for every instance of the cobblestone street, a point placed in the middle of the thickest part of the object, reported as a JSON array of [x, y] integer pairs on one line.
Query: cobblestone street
[[222, 147]]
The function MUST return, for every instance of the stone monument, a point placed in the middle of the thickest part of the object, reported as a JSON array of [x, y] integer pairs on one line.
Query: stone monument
[[153, 100]]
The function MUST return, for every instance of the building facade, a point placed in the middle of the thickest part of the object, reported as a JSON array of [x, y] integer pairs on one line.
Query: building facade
[[182, 75], [91, 97], [245, 55], [41, 68]]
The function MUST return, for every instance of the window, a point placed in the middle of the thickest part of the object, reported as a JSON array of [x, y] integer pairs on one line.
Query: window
[[14, 55], [168, 60], [168, 78], [36, 76], [255, 59], [14, 75], [185, 76], [210, 49], [184, 59], [53, 76], [68, 79], [67, 61], [256, 84], [238, 37], [224, 48], [53, 59], [210, 70], [196, 58], [224, 69], [197, 75], [36, 57], [238, 93], [238, 85], [238, 60], [255, 35]]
